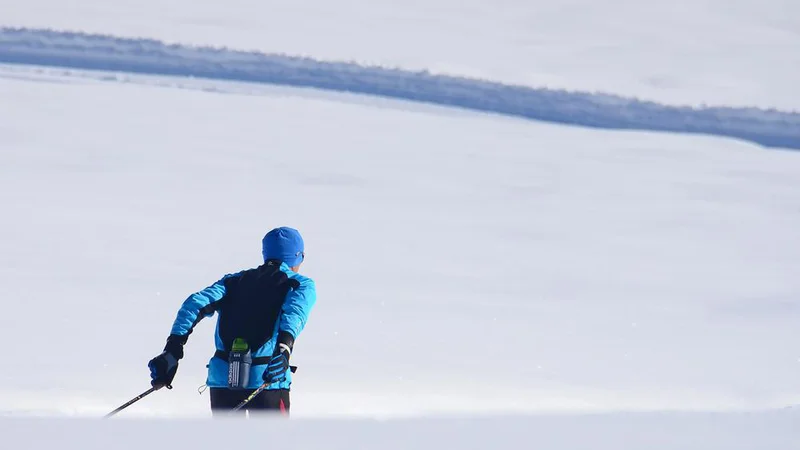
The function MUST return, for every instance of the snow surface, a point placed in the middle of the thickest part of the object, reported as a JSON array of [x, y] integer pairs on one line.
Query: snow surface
[[772, 431], [464, 262], [717, 52]]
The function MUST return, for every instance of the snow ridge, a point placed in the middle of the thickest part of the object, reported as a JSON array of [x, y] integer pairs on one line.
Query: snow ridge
[[770, 128]]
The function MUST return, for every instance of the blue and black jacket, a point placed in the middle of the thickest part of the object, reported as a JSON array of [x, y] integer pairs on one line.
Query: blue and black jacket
[[258, 305]]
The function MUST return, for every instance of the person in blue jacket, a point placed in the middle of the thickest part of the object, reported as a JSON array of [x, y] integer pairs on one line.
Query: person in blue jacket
[[261, 312]]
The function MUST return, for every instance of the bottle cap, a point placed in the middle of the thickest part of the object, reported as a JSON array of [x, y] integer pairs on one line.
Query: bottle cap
[[239, 345]]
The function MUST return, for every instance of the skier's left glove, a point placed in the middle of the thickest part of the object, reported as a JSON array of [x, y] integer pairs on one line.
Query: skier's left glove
[[164, 366], [279, 364]]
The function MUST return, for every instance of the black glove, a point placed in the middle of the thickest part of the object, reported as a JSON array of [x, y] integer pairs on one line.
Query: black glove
[[279, 364], [164, 366]]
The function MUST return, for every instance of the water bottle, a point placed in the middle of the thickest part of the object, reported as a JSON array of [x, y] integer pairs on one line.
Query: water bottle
[[239, 362]]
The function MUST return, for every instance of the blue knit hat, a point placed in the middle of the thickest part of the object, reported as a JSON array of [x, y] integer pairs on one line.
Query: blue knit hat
[[284, 244]]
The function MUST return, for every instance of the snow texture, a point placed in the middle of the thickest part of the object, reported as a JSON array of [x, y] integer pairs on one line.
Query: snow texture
[[763, 431], [596, 271], [770, 128]]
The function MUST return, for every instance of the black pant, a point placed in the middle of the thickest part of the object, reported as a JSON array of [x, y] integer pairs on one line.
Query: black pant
[[268, 401]]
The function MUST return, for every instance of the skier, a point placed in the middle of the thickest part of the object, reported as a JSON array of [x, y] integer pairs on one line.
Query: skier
[[261, 312]]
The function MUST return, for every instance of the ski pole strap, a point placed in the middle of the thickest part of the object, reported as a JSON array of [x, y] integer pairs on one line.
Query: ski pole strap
[[257, 361]]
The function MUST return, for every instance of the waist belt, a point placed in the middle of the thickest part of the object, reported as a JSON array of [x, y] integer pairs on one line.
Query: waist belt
[[257, 361]]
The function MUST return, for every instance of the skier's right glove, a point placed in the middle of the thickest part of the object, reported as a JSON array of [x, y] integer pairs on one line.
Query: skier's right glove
[[164, 366], [279, 364]]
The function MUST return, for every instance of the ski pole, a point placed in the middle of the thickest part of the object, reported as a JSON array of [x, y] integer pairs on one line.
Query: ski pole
[[256, 392], [132, 401], [250, 397]]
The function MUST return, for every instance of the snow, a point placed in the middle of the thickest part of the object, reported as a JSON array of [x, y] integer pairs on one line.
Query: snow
[[98, 52], [774, 431], [594, 271], [484, 280], [685, 52]]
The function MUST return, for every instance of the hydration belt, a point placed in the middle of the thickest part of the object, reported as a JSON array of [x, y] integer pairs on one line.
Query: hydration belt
[[257, 361]]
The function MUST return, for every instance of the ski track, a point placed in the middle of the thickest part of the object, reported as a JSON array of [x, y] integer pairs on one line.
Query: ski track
[[41, 47]]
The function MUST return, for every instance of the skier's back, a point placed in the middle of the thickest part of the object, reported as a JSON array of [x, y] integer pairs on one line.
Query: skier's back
[[261, 312]]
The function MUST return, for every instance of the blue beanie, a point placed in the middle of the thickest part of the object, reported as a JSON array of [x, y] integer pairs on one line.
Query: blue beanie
[[284, 244]]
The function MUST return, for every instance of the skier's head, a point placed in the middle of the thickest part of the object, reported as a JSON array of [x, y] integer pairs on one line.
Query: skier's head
[[284, 244]]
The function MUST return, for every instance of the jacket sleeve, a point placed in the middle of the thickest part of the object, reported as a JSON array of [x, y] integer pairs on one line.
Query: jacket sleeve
[[198, 306], [297, 307]]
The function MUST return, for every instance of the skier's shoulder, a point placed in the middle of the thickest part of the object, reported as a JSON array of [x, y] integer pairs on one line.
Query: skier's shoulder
[[237, 274], [303, 281], [231, 276]]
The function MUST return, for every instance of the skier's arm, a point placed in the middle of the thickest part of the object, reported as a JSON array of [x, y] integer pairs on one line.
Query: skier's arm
[[294, 315], [297, 308], [198, 306]]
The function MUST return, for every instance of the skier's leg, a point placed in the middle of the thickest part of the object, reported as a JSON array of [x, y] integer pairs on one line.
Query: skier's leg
[[271, 401], [224, 400]]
